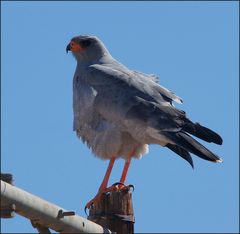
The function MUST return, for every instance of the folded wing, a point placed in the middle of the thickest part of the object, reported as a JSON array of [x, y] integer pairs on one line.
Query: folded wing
[[123, 94]]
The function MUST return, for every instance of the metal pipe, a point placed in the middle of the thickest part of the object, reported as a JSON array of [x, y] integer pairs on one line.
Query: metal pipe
[[45, 213]]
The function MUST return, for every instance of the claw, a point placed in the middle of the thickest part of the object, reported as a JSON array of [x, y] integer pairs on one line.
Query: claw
[[118, 183], [88, 206], [131, 186], [85, 210], [119, 186], [93, 202], [115, 187]]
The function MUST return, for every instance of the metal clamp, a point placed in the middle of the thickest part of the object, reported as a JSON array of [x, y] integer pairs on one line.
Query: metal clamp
[[62, 213]]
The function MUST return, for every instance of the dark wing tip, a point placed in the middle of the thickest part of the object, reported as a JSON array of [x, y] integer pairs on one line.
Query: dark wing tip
[[181, 152], [219, 141], [219, 160], [202, 132]]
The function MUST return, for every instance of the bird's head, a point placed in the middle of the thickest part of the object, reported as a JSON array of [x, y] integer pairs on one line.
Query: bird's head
[[87, 48]]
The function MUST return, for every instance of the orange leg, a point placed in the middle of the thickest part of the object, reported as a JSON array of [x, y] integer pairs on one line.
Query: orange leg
[[103, 186], [107, 175], [116, 187], [126, 167], [125, 171], [120, 185]]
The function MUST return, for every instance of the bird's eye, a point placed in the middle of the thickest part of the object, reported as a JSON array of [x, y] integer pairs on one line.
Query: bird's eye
[[85, 43]]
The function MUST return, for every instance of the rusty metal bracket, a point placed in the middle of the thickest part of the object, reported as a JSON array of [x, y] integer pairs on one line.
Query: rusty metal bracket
[[41, 229], [62, 213]]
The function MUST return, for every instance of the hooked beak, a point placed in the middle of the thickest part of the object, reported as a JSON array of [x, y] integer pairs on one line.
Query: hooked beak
[[74, 47], [68, 48]]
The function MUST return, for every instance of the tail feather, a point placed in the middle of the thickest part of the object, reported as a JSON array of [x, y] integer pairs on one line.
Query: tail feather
[[188, 143], [202, 132], [181, 152]]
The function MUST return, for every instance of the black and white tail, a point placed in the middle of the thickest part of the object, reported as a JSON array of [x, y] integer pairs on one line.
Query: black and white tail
[[183, 143]]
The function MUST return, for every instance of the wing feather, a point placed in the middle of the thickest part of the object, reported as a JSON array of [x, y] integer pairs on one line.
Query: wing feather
[[122, 96]]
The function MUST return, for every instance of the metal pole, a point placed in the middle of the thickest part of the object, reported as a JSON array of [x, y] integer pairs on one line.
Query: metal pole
[[45, 213], [7, 211]]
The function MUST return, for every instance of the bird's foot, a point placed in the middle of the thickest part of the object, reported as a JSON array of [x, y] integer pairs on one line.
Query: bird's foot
[[94, 201], [115, 187], [119, 187]]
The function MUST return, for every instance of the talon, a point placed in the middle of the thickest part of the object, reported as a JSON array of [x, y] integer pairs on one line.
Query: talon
[[115, 187], [131, 187], [88, 206], [118, 187], [85, 210], [118, 183], [93, 202]]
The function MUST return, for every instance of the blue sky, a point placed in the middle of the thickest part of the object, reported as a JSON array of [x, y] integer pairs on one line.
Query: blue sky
[[192, 46]]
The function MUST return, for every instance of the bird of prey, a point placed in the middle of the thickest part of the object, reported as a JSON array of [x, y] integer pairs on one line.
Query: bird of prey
[[118, 112]]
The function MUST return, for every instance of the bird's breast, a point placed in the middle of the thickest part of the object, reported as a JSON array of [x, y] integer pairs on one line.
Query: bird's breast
[[83, 99]]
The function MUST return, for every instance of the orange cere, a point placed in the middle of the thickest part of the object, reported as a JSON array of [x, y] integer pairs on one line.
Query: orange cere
[[75, 47]]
